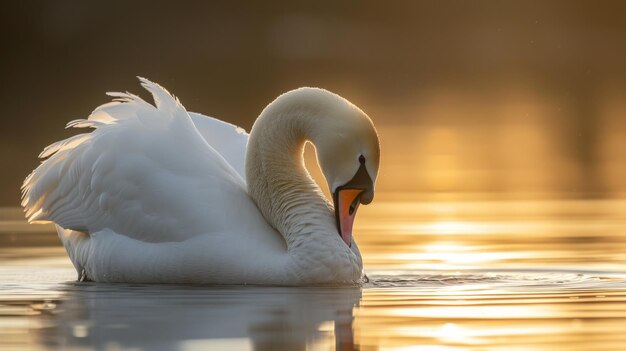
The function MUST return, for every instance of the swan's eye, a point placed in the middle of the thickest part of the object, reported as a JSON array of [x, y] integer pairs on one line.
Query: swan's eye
[[362, 159]]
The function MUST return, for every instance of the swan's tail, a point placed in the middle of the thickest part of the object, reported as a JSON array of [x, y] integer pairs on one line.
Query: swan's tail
[[63, 188]]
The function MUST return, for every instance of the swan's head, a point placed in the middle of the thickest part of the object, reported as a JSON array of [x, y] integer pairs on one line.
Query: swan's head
[[348, 154]]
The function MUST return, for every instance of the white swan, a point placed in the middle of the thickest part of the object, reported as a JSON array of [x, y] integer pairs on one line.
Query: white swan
[[155, 194]]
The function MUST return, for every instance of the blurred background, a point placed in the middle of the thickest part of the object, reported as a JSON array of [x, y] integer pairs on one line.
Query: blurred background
[[490, 99]]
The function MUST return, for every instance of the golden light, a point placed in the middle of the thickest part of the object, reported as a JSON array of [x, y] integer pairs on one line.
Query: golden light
[[453, 333], [423, 348], [471, 311], [452, 227]]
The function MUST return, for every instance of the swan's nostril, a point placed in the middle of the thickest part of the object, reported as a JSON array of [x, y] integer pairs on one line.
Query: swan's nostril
[[354, 204]]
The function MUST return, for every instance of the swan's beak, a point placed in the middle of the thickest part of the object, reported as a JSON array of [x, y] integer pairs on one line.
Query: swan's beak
[[347, 199], [346, 203]]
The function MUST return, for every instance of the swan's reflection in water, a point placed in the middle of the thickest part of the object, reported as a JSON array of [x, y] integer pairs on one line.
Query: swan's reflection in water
[[108, 317]]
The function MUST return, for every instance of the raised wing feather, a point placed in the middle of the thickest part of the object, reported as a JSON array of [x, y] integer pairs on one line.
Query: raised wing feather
[[227, 139], [145, 171]]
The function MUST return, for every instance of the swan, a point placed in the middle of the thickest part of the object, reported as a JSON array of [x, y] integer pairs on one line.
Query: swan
[[156, 194]]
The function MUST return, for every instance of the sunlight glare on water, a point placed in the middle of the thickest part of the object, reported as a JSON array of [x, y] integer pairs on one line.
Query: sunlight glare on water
[[468, 275]]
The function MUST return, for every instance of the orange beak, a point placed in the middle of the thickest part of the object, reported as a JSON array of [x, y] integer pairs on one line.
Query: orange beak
[[347, 201], [348, 197]]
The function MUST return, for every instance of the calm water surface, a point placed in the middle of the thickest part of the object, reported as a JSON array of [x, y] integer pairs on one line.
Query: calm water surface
[[543, 275]]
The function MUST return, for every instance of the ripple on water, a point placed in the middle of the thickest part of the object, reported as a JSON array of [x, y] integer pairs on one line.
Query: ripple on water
[[504, 282]]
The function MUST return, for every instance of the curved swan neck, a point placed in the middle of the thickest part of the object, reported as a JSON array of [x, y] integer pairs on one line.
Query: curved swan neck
[[278, 181], [286, 194]]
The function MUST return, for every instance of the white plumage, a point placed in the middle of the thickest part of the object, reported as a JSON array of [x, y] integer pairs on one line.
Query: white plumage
[[157, 194]]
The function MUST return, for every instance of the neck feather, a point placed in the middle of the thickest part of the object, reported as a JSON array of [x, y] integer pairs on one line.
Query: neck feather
[[288, 197], [280, 184]]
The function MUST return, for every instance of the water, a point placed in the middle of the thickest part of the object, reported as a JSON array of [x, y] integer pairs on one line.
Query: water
[[444, 275]]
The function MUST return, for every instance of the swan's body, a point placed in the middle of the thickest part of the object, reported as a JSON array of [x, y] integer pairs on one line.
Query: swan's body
[[158, 195]]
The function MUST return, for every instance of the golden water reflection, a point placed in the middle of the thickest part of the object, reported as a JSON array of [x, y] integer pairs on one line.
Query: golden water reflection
[[540, 300], [548, 234], [445, 275]]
